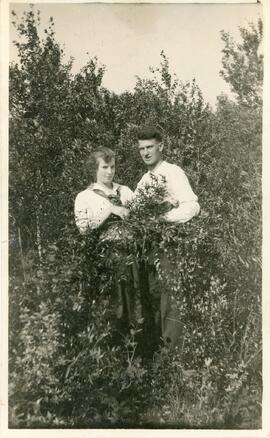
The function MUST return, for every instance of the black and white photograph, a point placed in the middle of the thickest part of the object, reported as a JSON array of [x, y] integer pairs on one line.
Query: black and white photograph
[[135, 216]]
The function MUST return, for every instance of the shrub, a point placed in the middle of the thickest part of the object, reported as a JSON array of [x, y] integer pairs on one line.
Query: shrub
[[67, 369]]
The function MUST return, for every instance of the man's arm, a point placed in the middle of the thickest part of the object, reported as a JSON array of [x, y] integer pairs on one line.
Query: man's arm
[[183, 213], [180, 190]]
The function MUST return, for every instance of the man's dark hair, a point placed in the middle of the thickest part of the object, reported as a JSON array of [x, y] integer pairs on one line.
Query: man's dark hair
[[149, 132]]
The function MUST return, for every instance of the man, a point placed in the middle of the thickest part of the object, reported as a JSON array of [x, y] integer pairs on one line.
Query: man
[[180, 193], [184, 206]]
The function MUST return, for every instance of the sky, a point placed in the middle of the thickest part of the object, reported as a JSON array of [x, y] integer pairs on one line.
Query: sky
[[128, 38]]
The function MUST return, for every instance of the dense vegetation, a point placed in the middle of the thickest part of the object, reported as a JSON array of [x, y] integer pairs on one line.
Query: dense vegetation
[[64, 368]]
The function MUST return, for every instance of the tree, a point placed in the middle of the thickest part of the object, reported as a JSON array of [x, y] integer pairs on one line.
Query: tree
[[64, 368], [39, 129], [237, 189], [243, 64], [180, 111]]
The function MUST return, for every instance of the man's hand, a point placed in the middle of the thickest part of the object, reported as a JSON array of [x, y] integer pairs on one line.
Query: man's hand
[[122, 212]]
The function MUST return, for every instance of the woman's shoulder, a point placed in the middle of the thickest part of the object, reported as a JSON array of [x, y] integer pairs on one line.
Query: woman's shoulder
[[86, 194], [126, 194], [123, 188]]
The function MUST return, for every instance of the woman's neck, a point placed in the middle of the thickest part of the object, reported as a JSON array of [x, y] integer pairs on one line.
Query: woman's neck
[[106, 186]]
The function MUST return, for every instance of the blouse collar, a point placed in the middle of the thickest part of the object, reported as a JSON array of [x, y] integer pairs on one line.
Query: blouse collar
[[104, 189]]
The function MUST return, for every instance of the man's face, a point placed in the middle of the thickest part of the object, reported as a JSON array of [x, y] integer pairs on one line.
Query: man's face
[[105, 171], [151, 151]]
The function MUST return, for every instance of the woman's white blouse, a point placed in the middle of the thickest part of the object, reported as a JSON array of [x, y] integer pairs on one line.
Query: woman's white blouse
[[92, 209]]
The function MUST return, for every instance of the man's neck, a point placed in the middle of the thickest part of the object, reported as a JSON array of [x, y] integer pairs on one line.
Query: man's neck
[[153, 167]]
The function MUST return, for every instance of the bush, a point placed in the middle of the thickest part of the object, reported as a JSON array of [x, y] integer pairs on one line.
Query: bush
[[67, 368]]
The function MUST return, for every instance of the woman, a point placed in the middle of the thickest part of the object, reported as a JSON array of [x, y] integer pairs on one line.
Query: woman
[[101, 206], [104, 199]]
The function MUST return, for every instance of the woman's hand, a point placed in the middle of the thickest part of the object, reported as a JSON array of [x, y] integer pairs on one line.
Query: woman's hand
[[122, 212]]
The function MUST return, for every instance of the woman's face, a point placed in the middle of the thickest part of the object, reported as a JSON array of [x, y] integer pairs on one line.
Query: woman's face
[[105, 171]]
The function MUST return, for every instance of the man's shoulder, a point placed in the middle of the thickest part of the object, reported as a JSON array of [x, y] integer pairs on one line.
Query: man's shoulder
[[171, 168], [165, 169]]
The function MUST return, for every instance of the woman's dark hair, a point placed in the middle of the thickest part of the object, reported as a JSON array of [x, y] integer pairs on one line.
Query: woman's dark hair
[[92, 163], [149, 132]]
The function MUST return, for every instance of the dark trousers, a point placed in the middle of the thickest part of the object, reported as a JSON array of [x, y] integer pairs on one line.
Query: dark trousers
[[140, 294], [163, 325]]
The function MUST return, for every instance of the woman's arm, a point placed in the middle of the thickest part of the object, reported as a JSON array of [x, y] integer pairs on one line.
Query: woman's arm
[[90, 212], [126, 194]]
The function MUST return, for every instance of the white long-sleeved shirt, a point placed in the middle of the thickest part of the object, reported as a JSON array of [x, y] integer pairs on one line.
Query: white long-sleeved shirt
[[178, 189], [91, 209]]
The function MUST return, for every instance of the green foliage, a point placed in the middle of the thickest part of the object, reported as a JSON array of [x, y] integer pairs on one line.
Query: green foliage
[[70, 365], [243, 64]]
